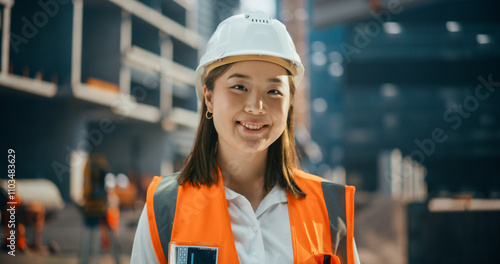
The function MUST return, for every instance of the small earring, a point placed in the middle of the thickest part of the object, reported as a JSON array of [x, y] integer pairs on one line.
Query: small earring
[[209, 117]]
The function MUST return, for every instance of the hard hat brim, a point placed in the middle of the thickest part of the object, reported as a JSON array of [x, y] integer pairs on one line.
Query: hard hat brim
[[276, 60]]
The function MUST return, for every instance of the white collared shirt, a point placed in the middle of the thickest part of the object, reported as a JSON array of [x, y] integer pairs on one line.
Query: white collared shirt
[[262, 236]]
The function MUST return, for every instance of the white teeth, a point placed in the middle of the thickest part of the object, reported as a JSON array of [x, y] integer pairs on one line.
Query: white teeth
[[251, 127]]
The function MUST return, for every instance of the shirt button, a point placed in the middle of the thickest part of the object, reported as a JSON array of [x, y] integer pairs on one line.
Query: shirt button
[[255, 229]]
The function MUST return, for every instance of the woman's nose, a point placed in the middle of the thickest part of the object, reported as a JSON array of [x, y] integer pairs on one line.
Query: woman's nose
[[255, 105]]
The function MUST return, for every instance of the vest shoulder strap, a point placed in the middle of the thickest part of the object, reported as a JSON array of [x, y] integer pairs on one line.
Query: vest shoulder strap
[[339, 201], [161, 201], [330, 204]]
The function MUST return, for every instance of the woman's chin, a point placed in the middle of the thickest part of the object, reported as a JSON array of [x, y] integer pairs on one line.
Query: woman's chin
[[252, 147]]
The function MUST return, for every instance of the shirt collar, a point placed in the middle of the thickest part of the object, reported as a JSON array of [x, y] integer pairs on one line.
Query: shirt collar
[[275, 196], [230, 194]]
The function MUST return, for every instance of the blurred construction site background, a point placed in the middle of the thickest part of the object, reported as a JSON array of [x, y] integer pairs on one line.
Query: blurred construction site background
[[400, 99]]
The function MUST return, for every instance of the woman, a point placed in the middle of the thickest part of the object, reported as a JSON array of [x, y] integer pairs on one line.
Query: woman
[[239, 197]]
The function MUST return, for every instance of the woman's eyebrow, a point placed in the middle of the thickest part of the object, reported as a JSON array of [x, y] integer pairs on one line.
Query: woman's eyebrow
[[274, 80], [238, 75], [242, 76]]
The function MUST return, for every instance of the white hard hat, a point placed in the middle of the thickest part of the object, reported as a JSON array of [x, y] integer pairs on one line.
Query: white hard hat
[[251, 36]]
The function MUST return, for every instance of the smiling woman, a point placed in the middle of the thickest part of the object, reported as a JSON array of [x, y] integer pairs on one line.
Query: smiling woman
[[241, 197], [251, 106]]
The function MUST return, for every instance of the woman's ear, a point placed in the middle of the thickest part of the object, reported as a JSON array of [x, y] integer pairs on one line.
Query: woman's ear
[[208, 98]]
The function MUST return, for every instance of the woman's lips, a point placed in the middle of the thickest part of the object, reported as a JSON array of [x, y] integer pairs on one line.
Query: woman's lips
[[253, 127]]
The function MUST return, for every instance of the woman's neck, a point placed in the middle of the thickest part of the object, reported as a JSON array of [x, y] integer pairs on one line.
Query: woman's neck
[[243, 173]]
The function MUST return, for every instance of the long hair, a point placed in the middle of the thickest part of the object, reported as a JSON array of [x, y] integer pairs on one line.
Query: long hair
[[200, 167]]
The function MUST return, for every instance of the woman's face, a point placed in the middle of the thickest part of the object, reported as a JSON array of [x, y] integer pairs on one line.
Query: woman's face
[[250, 103]]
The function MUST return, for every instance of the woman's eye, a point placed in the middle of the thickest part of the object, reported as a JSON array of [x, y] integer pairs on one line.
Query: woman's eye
[[239, 87], [274, 91]]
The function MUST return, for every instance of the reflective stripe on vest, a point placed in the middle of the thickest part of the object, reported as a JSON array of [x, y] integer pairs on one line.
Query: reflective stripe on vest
[[161, 202], [321, 224]]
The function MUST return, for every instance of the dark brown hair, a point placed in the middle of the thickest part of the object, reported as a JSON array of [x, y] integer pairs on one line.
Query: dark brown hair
[[200, 167]]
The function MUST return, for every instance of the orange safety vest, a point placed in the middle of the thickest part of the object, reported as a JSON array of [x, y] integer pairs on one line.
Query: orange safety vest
[[322, 223]]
